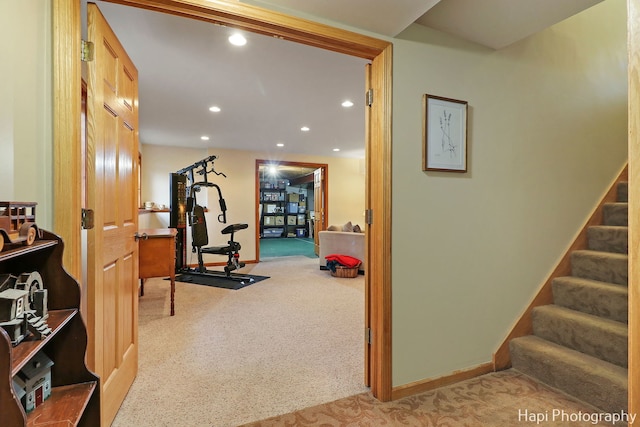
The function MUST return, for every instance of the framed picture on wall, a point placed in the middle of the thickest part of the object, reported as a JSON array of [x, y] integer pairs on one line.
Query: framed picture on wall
[[444, 134]]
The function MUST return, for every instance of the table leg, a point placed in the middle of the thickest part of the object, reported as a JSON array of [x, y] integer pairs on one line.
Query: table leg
[[173, 291]]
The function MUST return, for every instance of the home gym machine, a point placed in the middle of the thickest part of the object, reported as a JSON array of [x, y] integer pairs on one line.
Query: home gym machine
[[183, 187]]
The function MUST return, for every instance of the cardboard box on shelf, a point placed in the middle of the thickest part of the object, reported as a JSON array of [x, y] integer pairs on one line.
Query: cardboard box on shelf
[[279, 219], [269, 220], [291, 220]]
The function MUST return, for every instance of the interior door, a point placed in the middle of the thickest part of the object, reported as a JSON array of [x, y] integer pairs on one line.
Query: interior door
[[319, 205], [112, 252]]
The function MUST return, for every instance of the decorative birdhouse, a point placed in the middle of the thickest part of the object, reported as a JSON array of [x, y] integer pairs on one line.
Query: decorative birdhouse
[[35, 380], [13, 304]]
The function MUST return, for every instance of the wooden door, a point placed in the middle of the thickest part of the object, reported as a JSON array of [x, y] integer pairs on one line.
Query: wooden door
[[319, 205], [112, 253]]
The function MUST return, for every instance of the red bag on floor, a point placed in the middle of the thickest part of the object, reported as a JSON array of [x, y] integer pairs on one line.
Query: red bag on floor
[[346, 260]]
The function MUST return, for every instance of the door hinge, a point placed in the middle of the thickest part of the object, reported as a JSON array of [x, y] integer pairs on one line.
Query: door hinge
[[368, 336], [368, 216], [369, 98], [87, 219], [86, 51]]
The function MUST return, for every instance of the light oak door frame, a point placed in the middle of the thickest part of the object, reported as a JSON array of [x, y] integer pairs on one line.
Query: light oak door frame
[[633, 46], [66, 135]]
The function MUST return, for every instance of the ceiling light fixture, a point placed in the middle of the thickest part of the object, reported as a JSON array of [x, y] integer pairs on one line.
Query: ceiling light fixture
[[347, 104], [336, 149], [204, 138], [305, 129], [214, 109], [237, 39], [280, 144]]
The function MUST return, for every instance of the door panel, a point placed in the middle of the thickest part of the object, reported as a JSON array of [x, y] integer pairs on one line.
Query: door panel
[[112, 254], [319, 207]]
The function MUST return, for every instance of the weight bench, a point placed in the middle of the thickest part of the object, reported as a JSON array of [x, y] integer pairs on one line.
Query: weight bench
[[200, 239]]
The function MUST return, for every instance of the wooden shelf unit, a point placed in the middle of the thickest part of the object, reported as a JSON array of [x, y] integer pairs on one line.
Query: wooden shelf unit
[[75, 398]]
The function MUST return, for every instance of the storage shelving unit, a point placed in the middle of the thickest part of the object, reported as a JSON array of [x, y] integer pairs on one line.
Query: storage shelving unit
[[75, 399], [280, 216], [273, 195]]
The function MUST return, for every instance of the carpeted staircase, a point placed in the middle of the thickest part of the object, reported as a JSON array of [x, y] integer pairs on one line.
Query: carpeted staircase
[[579, 343]]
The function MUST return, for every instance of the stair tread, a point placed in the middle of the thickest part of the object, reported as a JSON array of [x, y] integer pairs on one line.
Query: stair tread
[[575, 357], [597, 321], [603, 299], [590, 379], [591, 282], [597, 265], [596, 336], [603, 254], [613, 227]]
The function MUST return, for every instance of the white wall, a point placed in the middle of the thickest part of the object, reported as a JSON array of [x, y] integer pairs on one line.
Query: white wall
[[346, 189], [547, 134], [25, 105]]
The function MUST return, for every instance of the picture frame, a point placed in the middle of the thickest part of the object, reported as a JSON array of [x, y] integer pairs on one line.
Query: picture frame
[[444, 134]]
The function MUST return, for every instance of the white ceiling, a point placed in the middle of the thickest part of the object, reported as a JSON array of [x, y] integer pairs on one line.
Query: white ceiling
[[270, 88]]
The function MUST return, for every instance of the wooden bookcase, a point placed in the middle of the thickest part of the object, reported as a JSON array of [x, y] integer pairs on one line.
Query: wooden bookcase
[[75, 398]]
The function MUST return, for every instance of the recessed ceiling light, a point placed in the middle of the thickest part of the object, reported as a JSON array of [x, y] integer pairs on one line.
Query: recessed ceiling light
[[280, 144], [214, 109], [204, 138], [347, 104], [305, 129], [336, 149], [237, 39]]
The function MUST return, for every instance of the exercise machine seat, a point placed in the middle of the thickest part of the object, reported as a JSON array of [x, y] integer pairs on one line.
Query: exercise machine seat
[[233, 246]]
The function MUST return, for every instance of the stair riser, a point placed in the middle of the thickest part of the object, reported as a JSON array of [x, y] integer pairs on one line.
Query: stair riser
[[623, 192], [602, 387], [608, 239], [603, 300], [605, 340], [610, 269], [615, 214]]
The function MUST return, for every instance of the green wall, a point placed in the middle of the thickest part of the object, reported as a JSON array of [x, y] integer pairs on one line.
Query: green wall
[[547, 135], [25, 105]]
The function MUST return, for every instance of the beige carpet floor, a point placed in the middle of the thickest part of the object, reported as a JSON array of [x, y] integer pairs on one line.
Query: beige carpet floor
[[231, 357], [288, 345]]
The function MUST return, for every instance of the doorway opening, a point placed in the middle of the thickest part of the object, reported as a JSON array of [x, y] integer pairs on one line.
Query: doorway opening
[[291, 207], [66, 60]]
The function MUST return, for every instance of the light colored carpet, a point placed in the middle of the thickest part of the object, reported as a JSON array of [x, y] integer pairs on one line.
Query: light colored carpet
[[231, 357], [278, 350]]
